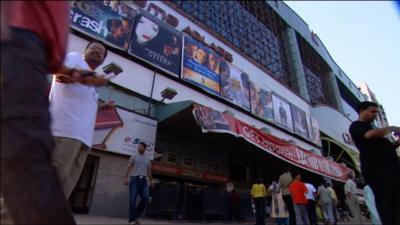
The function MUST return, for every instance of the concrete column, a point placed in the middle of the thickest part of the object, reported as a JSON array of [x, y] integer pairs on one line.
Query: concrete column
[[334, 91], [297, 76]]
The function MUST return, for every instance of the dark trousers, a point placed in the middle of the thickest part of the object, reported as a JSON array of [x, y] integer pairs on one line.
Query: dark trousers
[[137, 186], [260, 210], [312, 213], [386, 186], [29, 182], [289, 204]]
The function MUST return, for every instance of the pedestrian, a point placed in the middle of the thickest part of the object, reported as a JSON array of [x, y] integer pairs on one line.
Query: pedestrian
[[380, 165], [311, 206], [233, 205], [73, 107], [278, 208], [258, 195], [299, 190], [334, 202], [139, 169], [33, 46], [284, 181], [325, 199], [351, 199], [369, 199]]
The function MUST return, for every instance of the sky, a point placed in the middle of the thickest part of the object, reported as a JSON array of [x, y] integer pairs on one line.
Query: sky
[[364, 40]]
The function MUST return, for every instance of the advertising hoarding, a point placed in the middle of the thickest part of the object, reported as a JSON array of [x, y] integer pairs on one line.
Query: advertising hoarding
[[157, 43]]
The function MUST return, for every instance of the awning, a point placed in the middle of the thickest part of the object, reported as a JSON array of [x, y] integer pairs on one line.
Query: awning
[[217, 122], [354, 156]]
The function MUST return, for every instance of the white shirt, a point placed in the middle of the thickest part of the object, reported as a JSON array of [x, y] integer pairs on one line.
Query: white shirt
[[73, 107], [351, 187], [310, 192]]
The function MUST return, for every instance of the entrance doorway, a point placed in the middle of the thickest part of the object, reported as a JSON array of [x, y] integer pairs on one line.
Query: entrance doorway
[[81, 197]]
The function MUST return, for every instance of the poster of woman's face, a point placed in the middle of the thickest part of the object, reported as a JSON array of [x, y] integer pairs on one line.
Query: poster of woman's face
[[299, 121], [157, 42], [282, 114], [261, 101], [146, 30]]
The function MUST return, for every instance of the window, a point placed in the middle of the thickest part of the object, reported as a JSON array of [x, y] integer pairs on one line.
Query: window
[[187, 162], [214, 167], [172, 158], [202, 164]]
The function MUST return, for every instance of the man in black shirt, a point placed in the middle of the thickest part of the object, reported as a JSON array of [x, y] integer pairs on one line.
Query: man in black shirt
[[380, 164]]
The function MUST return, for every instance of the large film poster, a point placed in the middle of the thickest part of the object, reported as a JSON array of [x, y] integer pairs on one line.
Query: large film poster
[[299, 121], [235, 84], [261, 101], [157, 43], [201, 66], [109, 22], [282, 114], [313, 130]]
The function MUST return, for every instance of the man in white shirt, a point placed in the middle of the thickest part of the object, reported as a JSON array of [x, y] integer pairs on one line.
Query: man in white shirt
[[310, 196], [73, 108], [351, 199]]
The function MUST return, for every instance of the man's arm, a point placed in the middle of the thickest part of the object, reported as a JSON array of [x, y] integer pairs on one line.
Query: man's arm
[[96, 81], [128, 171], [149, 175], [380, 132]]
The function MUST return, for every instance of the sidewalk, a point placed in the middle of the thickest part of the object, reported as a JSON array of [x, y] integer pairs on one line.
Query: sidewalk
[[93, 219]]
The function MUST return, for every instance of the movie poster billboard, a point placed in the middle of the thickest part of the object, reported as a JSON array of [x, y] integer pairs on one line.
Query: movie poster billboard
[[200, 66], [120, 131], [212, 120], [111, 22], [261, 101], [282, 114], [313, 130], [157, 43], [299, 121], [235, 84]]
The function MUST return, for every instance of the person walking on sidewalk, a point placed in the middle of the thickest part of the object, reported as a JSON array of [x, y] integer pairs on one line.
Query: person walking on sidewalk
[[351, 199], [311, 209], [258, 197], [380, 165], [325, 199], [284, 181], [73, 107], [33, 44], [334, 202], [299, 190], [140, 178]]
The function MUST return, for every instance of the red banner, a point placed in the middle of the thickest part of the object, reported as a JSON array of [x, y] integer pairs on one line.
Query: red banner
[[164, 168], [211, 120]]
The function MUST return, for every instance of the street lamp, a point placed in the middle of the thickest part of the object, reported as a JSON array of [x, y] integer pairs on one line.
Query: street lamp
[[167, 93]]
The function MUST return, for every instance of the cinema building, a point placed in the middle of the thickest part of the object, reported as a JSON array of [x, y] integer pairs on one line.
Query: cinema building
[[222, 92]]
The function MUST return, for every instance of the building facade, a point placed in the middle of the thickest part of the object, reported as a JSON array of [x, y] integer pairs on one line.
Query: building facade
[[256, 92]]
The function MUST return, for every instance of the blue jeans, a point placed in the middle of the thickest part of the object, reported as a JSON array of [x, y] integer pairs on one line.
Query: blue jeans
[[137, 186]]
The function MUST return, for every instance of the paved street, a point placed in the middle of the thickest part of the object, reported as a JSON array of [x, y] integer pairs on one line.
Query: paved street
[[92, 219]]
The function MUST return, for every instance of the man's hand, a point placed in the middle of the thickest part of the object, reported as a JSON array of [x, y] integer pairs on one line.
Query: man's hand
[[126, 181], [94, 81], [103, 105]]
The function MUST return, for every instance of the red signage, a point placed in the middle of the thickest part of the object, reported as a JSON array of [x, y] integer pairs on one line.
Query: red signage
[[273, 145], [164, 168]]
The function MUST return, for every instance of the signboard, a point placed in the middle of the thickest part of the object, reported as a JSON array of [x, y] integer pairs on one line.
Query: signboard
[[200, 66], [282, 114], [299, 121], [261, 101], [169, 169], [281, 149], [123, 137], [111, 23], [235, 84], [157, 43]]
